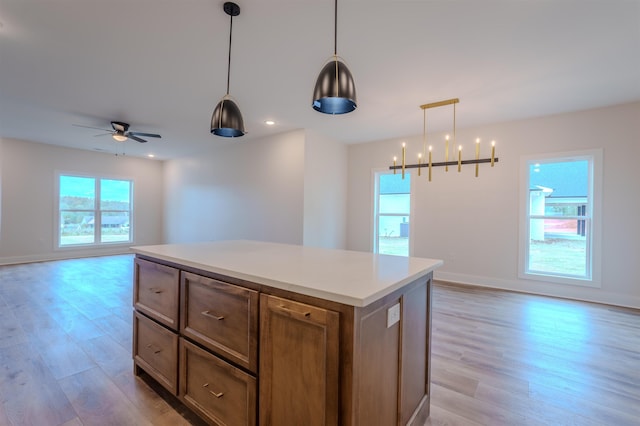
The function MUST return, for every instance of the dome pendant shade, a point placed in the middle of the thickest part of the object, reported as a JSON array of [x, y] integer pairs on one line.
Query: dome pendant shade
[[335, 91], [227, 119]]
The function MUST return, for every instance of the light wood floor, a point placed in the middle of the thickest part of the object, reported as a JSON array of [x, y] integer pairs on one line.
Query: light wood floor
[[498, 358]]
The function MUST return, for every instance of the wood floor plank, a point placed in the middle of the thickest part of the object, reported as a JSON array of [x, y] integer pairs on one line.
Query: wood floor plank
[[30, 393], [110, 356], [11, 331], [98, 401], [64, 357]]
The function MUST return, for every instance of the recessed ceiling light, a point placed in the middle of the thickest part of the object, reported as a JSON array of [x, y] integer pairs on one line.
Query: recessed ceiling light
[[269, 122], [150, 155]]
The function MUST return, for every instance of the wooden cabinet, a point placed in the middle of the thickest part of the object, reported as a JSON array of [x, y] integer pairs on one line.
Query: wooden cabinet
[[241, 353], [175, 311], [298, 363]]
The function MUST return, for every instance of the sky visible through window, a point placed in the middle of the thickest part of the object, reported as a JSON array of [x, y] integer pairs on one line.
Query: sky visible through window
[[83, 187]]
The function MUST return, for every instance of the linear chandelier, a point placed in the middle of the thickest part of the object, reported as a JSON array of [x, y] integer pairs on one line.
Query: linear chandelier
[[446, 163]]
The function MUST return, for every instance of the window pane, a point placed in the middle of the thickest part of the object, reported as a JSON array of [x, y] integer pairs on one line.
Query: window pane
[[393, 235], [558, 246], [557, 243], [394, 207], [115, 227], [394, 203], [394, 184], [114, 194], [77, 193], [559, 188], [76, 228]]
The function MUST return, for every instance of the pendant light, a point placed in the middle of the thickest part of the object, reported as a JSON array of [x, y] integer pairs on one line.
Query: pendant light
[[227, 119], [335, 91]]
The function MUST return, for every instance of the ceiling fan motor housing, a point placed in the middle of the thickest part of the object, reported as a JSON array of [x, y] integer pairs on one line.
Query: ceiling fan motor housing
[[119, 126]]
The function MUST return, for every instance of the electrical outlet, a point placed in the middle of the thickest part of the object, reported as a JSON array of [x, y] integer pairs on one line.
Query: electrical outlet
[[393, 315]]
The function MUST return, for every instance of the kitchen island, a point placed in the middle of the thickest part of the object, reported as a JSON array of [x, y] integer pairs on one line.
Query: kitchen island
[[247, 332]]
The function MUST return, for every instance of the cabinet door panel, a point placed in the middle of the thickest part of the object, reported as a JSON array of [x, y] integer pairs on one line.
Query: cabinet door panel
[[415, 351], [221, 316], [216, 390], [378, 371], [156, 289], [155, 349], [298, 362]]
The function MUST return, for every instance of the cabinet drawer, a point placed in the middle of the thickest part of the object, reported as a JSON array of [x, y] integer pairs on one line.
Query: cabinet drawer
[[156, 290], [222, 317], [219, 392], [155, 349]]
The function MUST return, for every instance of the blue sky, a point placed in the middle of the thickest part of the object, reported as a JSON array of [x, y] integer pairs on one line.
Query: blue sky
[[112, 190]]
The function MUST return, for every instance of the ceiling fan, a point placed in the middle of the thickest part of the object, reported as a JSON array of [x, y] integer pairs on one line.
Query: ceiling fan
[[121, 132]]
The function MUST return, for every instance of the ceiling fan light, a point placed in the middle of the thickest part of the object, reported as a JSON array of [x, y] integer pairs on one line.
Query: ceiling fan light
[[226, 120], [119, 137]]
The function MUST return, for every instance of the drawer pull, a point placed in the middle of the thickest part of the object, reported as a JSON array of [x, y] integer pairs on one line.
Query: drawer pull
[[210, 315], [155, 352], [217, 395], [284, 308], [155, 290]]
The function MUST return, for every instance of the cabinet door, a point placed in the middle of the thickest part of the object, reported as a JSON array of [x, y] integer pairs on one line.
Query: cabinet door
[[155, 292], [298, 363]]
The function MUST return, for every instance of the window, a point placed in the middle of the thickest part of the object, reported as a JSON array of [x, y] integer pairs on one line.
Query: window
[[558, 235], [94, 211], [392, 214]]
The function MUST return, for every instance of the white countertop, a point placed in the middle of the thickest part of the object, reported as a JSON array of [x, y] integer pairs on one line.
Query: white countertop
[[348, 277]]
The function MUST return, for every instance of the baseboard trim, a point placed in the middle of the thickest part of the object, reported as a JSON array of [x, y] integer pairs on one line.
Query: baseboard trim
[[571, 292], [48, 257]]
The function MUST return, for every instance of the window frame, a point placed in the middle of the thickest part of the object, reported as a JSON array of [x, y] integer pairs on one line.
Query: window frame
[[375, 209], [97, 212], [593, 218]]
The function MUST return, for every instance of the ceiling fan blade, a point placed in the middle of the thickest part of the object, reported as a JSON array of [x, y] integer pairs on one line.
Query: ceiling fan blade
[[149, 135], [102, 134], [135, 138], [91, 127]]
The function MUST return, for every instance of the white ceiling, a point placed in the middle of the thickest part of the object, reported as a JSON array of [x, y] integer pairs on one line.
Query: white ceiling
[[161, 65]]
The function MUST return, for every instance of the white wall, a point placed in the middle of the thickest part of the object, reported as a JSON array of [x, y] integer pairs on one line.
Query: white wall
[[472, 223], [325, 192], [250, 189], [28, 228]]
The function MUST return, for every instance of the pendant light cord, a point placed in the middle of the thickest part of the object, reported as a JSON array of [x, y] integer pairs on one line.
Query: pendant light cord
[[335, 29], [229, 62]]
